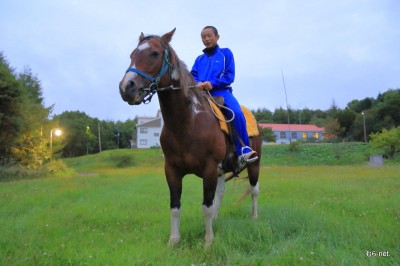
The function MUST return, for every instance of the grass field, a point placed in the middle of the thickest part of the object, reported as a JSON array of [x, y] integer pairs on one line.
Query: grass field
[[108, 213]]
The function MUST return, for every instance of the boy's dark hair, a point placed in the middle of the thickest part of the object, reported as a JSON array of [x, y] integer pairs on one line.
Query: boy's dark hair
[[214, 29]]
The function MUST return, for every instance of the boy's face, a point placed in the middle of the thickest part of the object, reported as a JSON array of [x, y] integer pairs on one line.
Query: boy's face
[[209, 38]]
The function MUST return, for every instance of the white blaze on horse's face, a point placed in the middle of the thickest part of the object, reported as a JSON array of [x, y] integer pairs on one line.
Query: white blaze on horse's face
[[128, 76], [132, 75], [143, 46]]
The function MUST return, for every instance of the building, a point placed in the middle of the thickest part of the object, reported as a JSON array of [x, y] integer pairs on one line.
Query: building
[[148, 130], [293, 132]]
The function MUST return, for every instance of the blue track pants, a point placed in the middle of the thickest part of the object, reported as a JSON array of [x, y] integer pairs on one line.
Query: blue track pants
[[239, 121]]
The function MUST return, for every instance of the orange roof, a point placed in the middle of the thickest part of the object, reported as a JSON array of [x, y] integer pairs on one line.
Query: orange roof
[[293, 127]]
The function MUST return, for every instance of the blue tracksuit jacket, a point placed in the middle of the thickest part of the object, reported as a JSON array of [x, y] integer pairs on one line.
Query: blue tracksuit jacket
[[218, 67]]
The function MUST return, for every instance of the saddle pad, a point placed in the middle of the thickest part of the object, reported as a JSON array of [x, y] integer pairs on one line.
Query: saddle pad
[[251, 123]]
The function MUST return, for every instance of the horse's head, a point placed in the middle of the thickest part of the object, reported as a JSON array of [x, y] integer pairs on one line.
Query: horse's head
[[149, 64]]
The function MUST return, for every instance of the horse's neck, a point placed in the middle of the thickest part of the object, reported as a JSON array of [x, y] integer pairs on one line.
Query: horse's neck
[[174, 107], [179, 106]]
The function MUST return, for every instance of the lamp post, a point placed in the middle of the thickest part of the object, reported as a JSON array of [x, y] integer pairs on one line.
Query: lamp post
[[57, 132], [365, 131]]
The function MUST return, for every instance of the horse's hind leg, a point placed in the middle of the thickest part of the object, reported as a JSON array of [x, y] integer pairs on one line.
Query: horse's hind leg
[[219, 195], [253, 171], [209, 186]]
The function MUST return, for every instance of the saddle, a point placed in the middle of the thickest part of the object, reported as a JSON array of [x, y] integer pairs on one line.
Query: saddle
[[251, 123]]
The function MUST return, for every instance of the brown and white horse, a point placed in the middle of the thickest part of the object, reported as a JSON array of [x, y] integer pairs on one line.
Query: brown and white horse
[[191, 138]]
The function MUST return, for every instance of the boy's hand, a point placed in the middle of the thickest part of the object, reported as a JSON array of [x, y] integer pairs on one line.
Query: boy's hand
[[206, 85]]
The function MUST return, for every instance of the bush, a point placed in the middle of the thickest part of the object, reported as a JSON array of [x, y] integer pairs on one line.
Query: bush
[[388, 141], [56, 167], [339, 149], [15, 172], [294, 146]]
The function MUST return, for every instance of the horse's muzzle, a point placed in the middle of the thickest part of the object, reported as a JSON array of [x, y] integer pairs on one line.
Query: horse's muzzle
[[130, 93]]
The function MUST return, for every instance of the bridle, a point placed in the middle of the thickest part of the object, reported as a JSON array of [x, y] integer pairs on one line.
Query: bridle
[[154, 81]]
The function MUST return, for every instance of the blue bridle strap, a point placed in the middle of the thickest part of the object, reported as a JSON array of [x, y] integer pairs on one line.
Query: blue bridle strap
[[165, 66], [146, 76]]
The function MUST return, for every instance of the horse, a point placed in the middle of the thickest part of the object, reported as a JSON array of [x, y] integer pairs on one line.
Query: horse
[[191, 138]]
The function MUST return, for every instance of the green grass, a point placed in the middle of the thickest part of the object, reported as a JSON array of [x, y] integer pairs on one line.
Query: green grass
[[105, 213], [352, 153]]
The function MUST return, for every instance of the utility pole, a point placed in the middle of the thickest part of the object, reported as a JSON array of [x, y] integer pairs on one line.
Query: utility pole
[[287, 107], [98, 127]]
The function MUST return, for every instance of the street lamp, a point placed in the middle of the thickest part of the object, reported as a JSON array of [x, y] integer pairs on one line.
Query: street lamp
[[57, 132], [365, 131], [87, 139]]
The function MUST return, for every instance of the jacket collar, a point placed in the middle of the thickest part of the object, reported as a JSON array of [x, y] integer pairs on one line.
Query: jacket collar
[[210, 51]]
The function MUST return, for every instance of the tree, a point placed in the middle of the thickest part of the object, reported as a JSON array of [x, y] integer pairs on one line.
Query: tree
[[390, 107], [280, 116], [360, 106], [305, 115], [30, 148], [267, 134], [78, 134], [332, 127], [387, 140], [127, 130], [9, 110], [333, 110], [263, 115], [22, 117], [346, 119], [108, 138]]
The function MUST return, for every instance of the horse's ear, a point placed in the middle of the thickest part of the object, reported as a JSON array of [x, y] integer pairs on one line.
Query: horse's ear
[[167, 37], [141, 37]]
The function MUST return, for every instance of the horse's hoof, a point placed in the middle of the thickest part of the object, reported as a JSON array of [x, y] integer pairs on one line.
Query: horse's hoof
[[208, 243], [255, 216], [173, 242]]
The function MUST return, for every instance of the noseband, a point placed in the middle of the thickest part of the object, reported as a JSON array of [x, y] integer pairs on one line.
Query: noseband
[[166, 65]]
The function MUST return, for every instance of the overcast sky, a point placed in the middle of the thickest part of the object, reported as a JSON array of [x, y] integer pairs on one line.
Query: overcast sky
[[328, 50]]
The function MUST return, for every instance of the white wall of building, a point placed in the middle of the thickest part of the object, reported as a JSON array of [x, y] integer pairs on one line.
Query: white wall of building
[[148, 137]]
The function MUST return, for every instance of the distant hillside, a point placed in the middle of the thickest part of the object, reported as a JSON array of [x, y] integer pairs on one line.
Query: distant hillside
[[120, 158], [346, 153], [272, 155]]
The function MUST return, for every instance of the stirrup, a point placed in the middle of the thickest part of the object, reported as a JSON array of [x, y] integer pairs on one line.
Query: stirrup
[[246, 147], [247, 158]]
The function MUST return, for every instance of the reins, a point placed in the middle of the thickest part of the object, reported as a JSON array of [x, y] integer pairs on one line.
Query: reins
[[208, 95], [221, 107]]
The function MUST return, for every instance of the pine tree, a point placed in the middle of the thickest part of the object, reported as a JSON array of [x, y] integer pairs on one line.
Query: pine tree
[[10, 121]]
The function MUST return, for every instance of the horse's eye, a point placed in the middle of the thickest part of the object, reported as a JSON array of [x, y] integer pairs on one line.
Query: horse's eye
[[155, 54]]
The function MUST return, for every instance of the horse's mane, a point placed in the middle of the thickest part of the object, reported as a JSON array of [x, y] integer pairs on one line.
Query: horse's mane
[[185, 78]]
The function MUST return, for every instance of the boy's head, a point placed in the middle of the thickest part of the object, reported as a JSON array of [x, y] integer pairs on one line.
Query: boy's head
[[209, 36]]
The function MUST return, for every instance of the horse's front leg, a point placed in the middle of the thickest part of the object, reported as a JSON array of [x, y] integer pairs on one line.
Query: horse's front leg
[[210, 178], [175, 189]]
